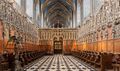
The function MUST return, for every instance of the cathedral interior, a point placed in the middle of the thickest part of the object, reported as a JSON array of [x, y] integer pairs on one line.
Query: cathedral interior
[[59, 35]]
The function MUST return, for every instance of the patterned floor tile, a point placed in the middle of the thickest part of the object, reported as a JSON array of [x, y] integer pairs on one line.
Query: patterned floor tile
[[59, 63]]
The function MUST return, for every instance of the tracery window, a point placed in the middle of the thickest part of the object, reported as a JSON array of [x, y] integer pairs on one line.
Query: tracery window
[[86, 8], [29, 7], [97, 3], [18, 2]]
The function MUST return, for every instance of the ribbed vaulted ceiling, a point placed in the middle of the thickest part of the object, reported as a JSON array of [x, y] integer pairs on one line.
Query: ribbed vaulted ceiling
[[57, 12]]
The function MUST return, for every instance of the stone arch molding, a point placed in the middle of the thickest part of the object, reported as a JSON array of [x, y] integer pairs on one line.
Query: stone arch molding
[[57, 37]]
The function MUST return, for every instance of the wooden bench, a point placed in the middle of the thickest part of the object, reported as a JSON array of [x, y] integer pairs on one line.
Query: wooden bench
[[92, 59], [116, 62], [116, 67], [101, 60], [4, 65]]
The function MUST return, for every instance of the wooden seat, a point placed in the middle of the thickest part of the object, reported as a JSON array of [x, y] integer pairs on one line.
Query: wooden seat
[[28, 57], [92, 59], [11, 60], [101, 60], [25, 58], [116, 62], [116, 67], [4, 65], [97, 61], [88, 57], [21, 59]]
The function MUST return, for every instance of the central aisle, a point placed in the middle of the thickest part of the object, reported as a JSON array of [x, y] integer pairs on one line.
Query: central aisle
[[58, 63]]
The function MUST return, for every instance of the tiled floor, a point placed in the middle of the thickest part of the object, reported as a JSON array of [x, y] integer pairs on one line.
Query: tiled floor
[[58, 63]]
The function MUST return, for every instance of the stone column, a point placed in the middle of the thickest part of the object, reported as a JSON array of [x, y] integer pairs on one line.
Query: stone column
[[34, 11], [81, 10], [92, 7], [40, 13], [23, 5], [71, 23], [43, 19], [68, 22], [75, 13], [72, 19]]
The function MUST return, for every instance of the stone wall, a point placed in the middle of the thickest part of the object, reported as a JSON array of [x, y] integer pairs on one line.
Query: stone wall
[[100, 31], [17, 23], [68, 36]]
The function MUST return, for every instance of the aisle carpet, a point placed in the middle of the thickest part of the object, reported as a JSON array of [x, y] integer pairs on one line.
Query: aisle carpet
[[58, 63]]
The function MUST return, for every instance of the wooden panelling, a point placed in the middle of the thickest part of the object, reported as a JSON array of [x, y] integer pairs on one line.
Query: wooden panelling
[[1, 46], [117, 46], [110, 46]]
